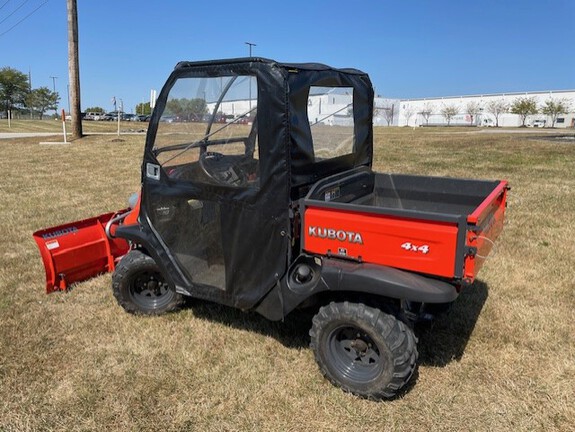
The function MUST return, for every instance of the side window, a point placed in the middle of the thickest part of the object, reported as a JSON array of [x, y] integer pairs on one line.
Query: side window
[[330, 114], [208, 131]]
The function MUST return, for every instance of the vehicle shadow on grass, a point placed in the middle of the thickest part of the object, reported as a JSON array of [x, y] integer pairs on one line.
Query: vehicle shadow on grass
[[445, 339], [292, 332], [440, 342]]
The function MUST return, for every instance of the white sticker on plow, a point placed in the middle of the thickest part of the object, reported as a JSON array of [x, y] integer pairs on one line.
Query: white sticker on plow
[[52, 245]]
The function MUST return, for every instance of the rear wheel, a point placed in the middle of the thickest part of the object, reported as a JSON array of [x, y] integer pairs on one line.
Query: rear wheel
[[140, 288], [363, 350]]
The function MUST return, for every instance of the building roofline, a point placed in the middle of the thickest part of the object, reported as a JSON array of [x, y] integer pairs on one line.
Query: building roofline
[[489, 95]]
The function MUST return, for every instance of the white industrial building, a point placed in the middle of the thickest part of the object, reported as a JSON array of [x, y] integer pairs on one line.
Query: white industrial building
[[427, 111], [333, 108]]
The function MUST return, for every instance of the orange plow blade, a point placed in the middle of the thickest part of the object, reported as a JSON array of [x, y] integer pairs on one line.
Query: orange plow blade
[[77, 251]]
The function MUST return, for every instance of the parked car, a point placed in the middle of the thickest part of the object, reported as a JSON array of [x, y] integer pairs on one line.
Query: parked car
[[93, 116], [537, 123], [112, 116]]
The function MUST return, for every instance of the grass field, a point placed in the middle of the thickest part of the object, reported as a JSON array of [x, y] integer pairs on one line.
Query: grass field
[[502, 360]]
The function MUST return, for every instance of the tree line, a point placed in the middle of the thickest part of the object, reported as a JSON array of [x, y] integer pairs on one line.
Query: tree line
[[16, 94], [522, 106]]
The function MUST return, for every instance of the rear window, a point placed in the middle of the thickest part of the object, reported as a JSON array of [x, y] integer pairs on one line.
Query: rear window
[[330, 114]]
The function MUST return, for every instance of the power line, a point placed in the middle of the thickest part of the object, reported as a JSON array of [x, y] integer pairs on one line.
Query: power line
[[14, 11], [25, 18], [5, 3]]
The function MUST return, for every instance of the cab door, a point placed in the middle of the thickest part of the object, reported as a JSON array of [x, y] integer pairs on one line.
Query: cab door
[[203, 191]]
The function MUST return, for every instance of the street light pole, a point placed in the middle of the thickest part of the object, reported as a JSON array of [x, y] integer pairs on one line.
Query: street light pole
[[54, 88], [250, 45], [54, 82]]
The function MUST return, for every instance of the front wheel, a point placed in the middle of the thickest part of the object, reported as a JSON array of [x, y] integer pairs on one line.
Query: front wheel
[[363, 350], [140, 288]]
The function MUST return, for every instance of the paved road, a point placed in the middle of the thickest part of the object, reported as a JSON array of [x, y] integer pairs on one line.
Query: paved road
[[7, 135], [528, 131]]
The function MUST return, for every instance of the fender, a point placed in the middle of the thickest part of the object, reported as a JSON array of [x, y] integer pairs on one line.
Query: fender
[[142, 235], [340, 275]]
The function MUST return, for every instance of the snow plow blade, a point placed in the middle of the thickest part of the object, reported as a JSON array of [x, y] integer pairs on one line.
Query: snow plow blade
[[77, 251]]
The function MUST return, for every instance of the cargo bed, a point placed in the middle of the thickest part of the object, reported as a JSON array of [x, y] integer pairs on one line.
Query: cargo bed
[[438, 226]]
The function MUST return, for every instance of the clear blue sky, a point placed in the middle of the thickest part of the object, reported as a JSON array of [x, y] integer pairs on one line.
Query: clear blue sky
[[410, 48]]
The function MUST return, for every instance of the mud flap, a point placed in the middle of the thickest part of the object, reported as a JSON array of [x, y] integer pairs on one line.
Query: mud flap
[[77, 251]]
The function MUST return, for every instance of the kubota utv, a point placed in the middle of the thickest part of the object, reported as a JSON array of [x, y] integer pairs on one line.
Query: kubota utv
[[258, 193]]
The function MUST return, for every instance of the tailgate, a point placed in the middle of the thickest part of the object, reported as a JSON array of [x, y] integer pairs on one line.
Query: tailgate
[[418, 245], [484, 226]]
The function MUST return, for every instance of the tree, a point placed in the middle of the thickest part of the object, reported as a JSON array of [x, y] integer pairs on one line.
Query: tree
[[187, 109], [497, 107], [473, 108], [143, 108], [449, 111], [41, 100], [553, 108], [524, 107], [427, 112], [388, 113], [14, 87], [408, 112], [96, 110]]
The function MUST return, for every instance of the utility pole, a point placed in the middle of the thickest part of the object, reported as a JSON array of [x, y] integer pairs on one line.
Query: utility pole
[[74, 69]]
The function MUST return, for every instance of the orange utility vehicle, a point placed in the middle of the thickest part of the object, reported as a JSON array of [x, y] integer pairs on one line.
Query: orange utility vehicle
[[258, 193]]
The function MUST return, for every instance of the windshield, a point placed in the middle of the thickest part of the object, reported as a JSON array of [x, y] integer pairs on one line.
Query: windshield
[[203, 112], [209, 125]]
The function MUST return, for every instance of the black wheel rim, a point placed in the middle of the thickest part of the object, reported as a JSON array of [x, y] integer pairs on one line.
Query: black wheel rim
[[353, 354], [149, 290]]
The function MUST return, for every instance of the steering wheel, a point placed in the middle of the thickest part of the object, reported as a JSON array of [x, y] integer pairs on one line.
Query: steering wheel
[[222, 170]]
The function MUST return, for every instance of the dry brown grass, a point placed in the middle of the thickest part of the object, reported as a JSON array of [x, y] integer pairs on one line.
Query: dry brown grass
[[503, 359]]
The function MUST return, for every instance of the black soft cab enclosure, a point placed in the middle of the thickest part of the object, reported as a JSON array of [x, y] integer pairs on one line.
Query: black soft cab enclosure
[[231, 145]]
